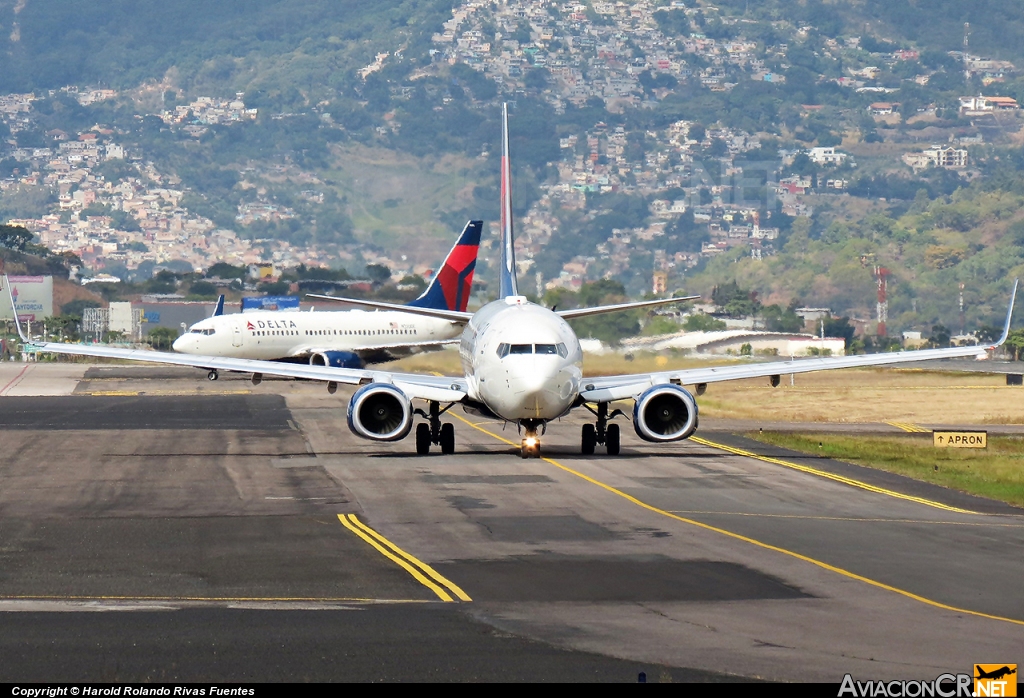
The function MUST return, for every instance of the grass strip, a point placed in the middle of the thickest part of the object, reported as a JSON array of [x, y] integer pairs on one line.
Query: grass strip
[[996, 472]]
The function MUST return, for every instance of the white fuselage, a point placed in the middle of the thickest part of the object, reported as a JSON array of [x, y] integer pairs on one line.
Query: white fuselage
[[277, 334], [521, 360]]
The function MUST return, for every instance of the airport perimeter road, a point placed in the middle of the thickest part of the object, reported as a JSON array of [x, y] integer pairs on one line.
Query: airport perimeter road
[[244, 533]]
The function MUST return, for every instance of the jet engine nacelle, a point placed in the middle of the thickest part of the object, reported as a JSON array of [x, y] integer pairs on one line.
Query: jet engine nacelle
[[665, 413], [336, 359], [380, 412]]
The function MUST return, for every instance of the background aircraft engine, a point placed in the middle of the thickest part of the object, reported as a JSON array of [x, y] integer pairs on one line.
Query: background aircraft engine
[[665, 413], [380, 412], [337, 359]]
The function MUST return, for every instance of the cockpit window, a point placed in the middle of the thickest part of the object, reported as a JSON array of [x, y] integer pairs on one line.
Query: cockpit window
[[562, 351], [503, 350], [520, 349], [207, 332], [546, 349]]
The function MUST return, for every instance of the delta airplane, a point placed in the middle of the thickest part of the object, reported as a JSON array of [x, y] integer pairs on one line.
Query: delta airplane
[[522, 364], [346, 338]]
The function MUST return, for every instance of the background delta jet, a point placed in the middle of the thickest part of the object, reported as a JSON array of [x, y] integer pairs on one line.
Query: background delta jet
[[522, 363], [345, 338]]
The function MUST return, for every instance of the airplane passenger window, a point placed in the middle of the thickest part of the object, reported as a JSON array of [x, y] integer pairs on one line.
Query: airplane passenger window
[[546, 349], [520, 349]]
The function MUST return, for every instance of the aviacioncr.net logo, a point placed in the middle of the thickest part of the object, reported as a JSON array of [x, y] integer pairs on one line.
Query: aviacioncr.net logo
[[943, 686]]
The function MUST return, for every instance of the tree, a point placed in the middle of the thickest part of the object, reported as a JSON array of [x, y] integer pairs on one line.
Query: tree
[[840, 327], [378, 274], [14, 237], [162, 337], [699, 322]]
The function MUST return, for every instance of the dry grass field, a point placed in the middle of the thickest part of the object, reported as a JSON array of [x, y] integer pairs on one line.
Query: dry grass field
[[856, 395]]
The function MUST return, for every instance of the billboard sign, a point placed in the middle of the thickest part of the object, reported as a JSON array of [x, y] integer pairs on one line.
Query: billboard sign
[[33, 297], [270, 303]]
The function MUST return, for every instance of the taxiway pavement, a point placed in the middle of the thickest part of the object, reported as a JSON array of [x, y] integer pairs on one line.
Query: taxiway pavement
[[157, 526]]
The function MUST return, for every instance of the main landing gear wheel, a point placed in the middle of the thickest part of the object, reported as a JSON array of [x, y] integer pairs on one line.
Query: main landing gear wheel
[[433, 432], [602, 432], [447, 438], [212, 375], [611, 440], [588, 440], [422, 439]]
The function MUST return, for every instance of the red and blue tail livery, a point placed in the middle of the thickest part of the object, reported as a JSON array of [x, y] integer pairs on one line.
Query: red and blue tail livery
[[453, 282]]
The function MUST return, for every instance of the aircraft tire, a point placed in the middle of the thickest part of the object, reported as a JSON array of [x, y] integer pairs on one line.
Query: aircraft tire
[[212, 375], [447, 438], [611, 440], [422, 439], [588, 440]]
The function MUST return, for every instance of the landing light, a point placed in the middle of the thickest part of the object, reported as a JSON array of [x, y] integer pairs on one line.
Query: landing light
[[531, 441]]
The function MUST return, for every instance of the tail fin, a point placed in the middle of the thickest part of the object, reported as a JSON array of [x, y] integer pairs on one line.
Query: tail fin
[[452, 284], [219, 310], [507, 286]]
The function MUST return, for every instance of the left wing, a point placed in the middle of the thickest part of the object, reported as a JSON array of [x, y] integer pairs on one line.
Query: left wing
[[608, 388]]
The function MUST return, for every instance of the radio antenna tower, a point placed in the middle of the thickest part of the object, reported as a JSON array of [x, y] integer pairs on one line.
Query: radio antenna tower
[[967, 34], [962, 325], [883, 302]]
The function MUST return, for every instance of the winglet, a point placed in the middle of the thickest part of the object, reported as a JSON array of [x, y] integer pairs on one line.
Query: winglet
[[219, 310], [507, 280], [1009, 315], [14, 310]]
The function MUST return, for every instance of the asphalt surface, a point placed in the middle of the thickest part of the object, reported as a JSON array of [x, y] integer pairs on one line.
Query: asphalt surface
[[157, 526]]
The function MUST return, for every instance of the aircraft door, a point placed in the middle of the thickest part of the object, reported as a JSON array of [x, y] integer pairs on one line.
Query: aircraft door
[[236, 337]]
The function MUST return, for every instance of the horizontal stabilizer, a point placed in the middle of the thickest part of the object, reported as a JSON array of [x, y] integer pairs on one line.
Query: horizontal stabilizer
[[450, 315]]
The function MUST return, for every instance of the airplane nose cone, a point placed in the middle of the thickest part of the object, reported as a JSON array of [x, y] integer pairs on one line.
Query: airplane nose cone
[[179, 344]]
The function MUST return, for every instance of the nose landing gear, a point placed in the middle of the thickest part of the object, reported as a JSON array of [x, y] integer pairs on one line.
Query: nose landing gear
[[435, 432], [530, 447], [602, 432]]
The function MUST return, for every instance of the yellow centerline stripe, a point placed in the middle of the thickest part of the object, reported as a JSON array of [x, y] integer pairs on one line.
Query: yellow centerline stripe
[[751, 541], [848, 518], [218, 599], [830, 476], [416, 574], [427, 569]]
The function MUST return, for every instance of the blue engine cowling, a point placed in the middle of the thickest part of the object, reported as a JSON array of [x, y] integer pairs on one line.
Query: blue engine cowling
[[336, 359], [665, 413], [380, 412]]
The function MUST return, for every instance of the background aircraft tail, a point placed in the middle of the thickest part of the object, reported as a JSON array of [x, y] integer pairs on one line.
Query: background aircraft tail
[[507, 281], [219, 310], [451, 286]]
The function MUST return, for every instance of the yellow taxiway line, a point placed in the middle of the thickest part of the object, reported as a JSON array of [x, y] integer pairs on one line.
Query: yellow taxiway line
[[420, 571], [909, 428], [747, 539], [830, 476]]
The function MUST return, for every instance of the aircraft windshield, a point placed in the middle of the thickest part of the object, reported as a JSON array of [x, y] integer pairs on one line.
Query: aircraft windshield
[[196, 330], [506, 349]]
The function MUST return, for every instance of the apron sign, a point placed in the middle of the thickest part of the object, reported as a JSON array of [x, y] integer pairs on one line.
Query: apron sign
[[960, 439]]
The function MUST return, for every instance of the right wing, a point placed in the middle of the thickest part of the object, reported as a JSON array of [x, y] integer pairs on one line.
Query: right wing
[[609, 388], [597, 310]]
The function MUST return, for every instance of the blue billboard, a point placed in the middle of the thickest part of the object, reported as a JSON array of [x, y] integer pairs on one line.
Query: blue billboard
[[270, 303]]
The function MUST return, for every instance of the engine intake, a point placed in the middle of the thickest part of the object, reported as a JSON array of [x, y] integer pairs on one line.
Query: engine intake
[[336, 359], [380, 412], [665, 413]]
